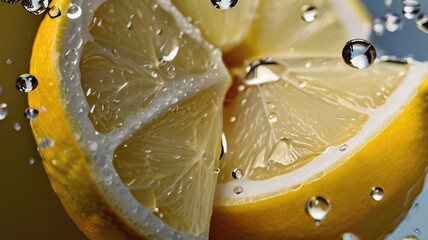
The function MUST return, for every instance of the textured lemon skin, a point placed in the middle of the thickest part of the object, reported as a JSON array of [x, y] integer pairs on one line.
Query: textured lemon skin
[[65, 163], [395, 160]]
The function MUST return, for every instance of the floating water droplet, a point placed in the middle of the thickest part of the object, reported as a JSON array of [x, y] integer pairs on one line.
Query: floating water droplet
[[9, 61], [350, 236], [343, 148], [378, 26], [17, 126], [411, 8], [410, 237], [273, 117], [35, 7], [237, 173], [359, 53], [309, 13], [377, 194], [422, 22], [31, 161], [26, 83], [31, 113], [261, 71], [217, 170], [74, 11], [393, 22], [3, 111], [224, 4], [238, 190], [318, 209], [54, 12], [45, 143]]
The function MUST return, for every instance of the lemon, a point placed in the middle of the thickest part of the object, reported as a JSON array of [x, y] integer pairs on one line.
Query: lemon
[[136, 107]]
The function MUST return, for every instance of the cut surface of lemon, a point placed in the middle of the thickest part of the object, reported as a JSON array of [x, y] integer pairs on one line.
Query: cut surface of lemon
[[136, 107]]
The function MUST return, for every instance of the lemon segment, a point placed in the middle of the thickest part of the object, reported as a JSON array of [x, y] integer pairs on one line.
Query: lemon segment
[[224, 29], [111, 78]]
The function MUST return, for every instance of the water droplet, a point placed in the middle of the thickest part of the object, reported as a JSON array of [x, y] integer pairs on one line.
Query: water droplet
[[281, 153], [309, 13], [45, 143], [170, 56], [377, 194], [159, 31], [237, 174], [154, 74], [176, 156], [9, 61], [303, 83], [359, 53], [241, 88], [3, 111], [17, 126], [343, 147], [26, 83], [171, 71], [74, 11], [393, 22], [224, 4], [223, 145], [217, 170], [31, 161], [422, 22], [350, 236], [273, 117], [318, 208], [260, 72], [378, 26], [410, 237], [410, 8], [238, 190], [232, 119], [35, 7], [147, 151], [417, 231], [31, 113], [54, 12]]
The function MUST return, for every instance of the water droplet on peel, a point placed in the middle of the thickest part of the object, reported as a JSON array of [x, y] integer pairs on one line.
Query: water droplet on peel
[[35, 7], [422, 22], [74, 11], [238, 190], [378, 26], [9, 61], [26, 83], [54, 12], [260, 72], [273, 117], [350, 236], [309, 13], [393, 22], [237, 174], [17, 126], [3, 111], [343, 148], [31, 113], [410, 237], [45, 143], [318, 209], [224, 4], [411, 8], [31, 161], [377, 194], [359, 53]]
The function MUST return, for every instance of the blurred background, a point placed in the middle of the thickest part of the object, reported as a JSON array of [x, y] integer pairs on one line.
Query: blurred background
[[30, 209]]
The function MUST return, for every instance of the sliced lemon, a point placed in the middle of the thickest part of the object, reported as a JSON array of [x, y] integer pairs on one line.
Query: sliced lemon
[[122, 84], [134, 116]]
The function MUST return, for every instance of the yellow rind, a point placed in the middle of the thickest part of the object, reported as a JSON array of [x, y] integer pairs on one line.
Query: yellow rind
[[395, 160], [66, 163]]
